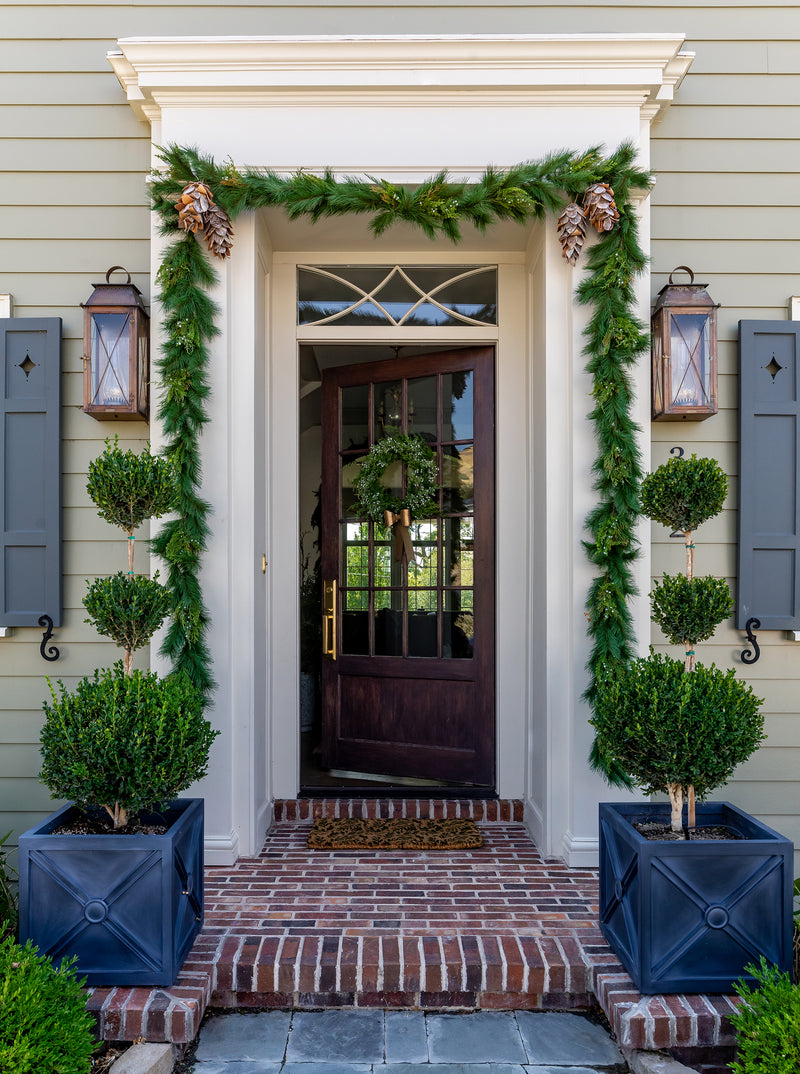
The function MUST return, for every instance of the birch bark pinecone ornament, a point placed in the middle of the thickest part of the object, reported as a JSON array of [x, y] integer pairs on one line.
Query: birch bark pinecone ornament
[[571, 229], [218, 231], [194, 202], [600, 207]]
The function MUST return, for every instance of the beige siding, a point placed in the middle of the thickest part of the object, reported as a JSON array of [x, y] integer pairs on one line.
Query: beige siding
[[73, 201]]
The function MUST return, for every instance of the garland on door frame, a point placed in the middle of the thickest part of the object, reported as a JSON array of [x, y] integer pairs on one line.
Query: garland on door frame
[[195, 197]]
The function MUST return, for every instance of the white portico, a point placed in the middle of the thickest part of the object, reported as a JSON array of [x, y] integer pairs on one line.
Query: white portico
[[401, 108]]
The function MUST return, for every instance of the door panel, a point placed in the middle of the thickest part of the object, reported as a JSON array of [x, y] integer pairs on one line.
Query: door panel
[[409, 690]]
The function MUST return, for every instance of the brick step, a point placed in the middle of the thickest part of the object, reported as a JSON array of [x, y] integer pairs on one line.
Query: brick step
[[482, 810], [497, 928]]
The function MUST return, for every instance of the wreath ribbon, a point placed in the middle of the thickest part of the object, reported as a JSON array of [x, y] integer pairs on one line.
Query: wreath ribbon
[[403, 549]]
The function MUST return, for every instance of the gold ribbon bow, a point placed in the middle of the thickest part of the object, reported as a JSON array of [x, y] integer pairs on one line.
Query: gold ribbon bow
[[403, 549]]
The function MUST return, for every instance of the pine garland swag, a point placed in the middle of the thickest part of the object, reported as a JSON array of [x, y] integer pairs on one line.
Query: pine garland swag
[[439, 206]]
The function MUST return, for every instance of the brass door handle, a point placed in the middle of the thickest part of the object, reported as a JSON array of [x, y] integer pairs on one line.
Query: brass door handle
[[329, 618]]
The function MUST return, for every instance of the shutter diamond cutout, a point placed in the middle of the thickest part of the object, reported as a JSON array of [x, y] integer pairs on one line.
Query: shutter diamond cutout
[[27, 366], [774, 367]]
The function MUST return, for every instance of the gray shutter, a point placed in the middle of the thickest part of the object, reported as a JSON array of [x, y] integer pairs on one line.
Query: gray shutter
[[769, 474], [30, 471]]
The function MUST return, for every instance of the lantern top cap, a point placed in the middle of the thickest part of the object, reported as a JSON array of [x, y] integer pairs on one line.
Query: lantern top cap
[[684, 294], [116, 294]]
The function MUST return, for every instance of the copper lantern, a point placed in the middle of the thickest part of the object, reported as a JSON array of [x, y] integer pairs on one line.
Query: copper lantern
[[116, 351], [684, 332]]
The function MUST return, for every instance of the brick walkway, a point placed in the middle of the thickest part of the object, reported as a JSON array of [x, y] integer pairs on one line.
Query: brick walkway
[[494, 928]]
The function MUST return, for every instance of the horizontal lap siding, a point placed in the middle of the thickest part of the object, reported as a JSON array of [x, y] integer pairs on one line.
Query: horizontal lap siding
[[73, 201]]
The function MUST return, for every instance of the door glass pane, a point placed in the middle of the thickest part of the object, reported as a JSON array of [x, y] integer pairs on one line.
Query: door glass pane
[[355, 417], [388, 409], [389, 622], [457, 419], [423, 572], [458, 629], [422, 408], [458, 550], [355, 624], [456, 478], [355, 554], [422, 627], [351, 465]]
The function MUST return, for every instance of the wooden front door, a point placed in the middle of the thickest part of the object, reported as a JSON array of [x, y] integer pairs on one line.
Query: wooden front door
[[408, 688]]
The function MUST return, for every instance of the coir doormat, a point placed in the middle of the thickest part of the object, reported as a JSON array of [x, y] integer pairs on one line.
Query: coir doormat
[[353, 833]]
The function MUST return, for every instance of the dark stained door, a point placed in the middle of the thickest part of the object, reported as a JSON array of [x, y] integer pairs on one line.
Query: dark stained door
[[410, 692]]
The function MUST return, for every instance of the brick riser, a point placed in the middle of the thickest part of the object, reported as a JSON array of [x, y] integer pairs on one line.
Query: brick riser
[[484, 811], [497, 928]]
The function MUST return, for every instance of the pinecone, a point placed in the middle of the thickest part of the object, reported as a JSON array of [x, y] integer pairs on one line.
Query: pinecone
[[194, 202], [572, 231], [599, 206], [218, 231]]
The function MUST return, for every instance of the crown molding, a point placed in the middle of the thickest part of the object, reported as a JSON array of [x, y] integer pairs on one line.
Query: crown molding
[[578, 69]]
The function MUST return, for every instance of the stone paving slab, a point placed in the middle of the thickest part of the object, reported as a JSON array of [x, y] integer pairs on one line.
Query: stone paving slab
[[405, 1037], [564, 1039], [258, 1037], [399, 1042], [353, 1037], [486, 1037]]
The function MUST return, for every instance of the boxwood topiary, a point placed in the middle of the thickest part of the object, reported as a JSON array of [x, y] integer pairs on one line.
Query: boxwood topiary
[[767, 1023], [128, 488], [44, 1025], [125, 742], [684, 493], [128, 608], [689, 610], [670, 729]]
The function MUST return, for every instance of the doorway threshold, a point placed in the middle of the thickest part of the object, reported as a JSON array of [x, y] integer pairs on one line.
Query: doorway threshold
[[384, 791]]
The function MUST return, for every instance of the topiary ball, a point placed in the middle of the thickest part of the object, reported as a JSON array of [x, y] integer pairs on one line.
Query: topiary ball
[[690, 609], [684, 493]]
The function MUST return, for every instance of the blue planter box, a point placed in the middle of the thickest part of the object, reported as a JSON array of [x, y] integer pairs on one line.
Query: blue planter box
[[688, 916], [127, 906]]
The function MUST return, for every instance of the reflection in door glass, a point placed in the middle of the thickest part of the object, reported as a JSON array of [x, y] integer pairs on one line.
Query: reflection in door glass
[[457, 420], [424, 570], [355, 568], [389, 623], [457, 478], [459, 543], [355, 417], [458, 625], [421, 408], [422, 627]]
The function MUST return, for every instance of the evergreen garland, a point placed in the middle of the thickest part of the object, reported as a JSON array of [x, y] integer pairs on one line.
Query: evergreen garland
[[439, 206]]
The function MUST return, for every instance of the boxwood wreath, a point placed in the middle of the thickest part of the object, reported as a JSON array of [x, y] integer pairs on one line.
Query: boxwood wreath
[[421, 474], [196, 197]]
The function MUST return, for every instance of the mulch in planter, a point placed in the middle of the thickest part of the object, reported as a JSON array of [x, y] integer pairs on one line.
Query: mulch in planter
[[354, 833], [656, 830]]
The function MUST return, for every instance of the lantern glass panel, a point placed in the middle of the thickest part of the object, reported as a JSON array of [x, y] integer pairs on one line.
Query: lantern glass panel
[[690, 348], [110, 353]]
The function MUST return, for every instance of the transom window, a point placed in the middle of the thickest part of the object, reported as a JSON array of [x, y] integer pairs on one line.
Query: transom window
[[420, 295]]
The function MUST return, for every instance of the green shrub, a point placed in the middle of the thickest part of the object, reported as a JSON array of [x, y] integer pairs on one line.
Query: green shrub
[[127, 608], [690, 609], [44, 1025], [684, 493], [670, 729], [767, 1023], [129, 488], [125, 742]]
